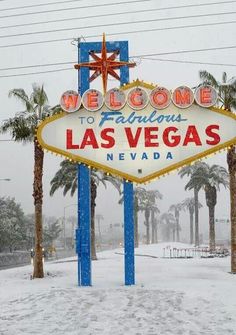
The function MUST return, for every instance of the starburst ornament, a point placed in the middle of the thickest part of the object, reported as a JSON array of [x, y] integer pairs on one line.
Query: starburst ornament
[[104, 65]]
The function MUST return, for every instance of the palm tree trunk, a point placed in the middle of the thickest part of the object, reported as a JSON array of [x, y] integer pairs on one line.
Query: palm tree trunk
[[196, 217], [168, 232], [136, 242], [93, 204], [191, 226], [153, 226], [148, 231], [147, 215], [212, 237], [177, 228], [231, 159], [38, 202], [99, 232], [173, 232], [156, 240]]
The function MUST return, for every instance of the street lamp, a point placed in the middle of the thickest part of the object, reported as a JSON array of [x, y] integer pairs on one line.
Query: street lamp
[[5, 179]]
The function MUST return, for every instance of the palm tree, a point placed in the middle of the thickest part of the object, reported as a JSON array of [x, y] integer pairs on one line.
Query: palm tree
[[22, 128], [209, 178], [227, 99], [66, 178], [154, 223], [188, 171], [139, 195], [168, 222], [99, 218], [148, 205], [154, 232], [226, 88], [176, 208], [188, 204]]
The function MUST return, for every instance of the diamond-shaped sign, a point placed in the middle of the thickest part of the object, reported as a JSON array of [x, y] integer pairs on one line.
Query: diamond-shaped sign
[[138, 145]]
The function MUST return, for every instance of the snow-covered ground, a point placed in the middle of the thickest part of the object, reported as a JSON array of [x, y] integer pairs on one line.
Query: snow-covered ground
[[171, 297]]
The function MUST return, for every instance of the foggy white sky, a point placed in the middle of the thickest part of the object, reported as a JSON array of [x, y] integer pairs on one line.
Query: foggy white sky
[[17, 160]]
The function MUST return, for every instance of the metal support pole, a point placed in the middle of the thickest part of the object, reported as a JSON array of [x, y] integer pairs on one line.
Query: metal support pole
[[84, 228], [128, 194], [83, 244], [84, 209], [129, 233]]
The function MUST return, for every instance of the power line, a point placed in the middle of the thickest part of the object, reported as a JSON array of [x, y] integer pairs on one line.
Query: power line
[[144, 56], [156, 59], [115, 14], [30, 73], [42, 42], [167, 28], [73, 8], [39, 5], [37, 65], [184, 51], [118, 23], [119, 33], [186, 61]]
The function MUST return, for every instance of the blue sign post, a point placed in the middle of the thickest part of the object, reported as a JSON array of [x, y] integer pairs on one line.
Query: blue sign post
[[129, 233], [83, 244]]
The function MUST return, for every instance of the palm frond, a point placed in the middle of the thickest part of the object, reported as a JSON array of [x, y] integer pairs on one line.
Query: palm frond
[[224, 77], [209, 79], [38, 97], [167, 218], [66, 178], [73, 187], [186, 171], [20, 94], [116, 182], [20, 128], [66, 188]]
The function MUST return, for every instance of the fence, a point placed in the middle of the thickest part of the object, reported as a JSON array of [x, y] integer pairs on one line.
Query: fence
[[169, 252], [14, 259]]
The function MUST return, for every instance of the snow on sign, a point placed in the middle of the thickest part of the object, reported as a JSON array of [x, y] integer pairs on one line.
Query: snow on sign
[[140, 132]]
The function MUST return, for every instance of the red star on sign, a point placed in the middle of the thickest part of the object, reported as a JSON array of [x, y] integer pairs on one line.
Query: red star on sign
[[104, 65]]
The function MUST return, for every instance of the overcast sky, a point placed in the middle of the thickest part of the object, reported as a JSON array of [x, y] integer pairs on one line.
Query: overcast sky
[[17, 160]]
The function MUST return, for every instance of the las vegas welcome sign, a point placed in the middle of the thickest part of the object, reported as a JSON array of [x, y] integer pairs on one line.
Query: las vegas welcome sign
[[140, 131]]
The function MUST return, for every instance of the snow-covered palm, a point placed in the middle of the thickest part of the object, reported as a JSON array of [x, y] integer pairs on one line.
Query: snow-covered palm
[[67, 179], [209, 178], [140, 199], [227, 98], [144, 201], [188, 204], [168, 223], [147, 204], [22, 128], [226, 88], [206, 175], [188, 172], [176, 208]]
